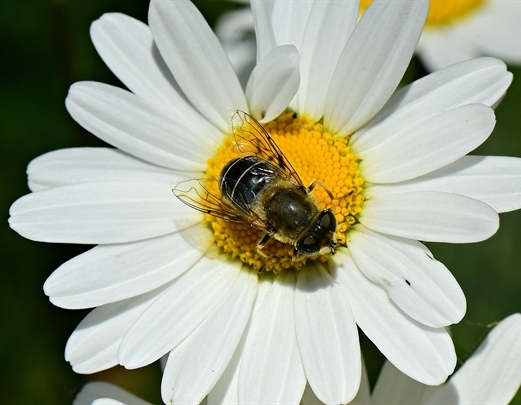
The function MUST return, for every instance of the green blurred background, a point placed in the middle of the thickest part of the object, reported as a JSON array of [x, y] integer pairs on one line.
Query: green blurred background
[[45, 48]]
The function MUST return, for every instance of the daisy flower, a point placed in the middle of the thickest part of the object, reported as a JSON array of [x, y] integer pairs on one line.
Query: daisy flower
[[454, 31], [166, 279], [492, 375]]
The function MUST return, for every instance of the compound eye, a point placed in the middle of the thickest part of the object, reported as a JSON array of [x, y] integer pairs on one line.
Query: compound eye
[[325, 221], [308, 246], [328, 221], [320, 236], [309, 240]]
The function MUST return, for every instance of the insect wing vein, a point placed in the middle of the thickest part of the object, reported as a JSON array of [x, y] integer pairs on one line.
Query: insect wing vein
[[195, 194], [252, 138]]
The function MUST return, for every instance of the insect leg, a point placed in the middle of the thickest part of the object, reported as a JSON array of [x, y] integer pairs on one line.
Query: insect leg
[[320, 183], [265, 239], [337, 243]]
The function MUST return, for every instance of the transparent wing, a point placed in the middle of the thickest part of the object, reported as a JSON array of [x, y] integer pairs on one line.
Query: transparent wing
[[252, 138], [195, 194]]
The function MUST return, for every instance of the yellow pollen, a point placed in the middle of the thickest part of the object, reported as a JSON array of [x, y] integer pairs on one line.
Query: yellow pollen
[[443, 12], [315, 155]]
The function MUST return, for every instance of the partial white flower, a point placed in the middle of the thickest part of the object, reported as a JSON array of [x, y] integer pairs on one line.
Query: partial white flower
[[473, 28], [395, 165], [235, 31]]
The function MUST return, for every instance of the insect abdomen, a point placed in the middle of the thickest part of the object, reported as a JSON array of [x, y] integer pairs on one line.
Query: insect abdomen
[[244, 178]]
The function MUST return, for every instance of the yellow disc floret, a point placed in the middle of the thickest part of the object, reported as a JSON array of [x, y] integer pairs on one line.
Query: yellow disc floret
[[315, 154], [443, 12]]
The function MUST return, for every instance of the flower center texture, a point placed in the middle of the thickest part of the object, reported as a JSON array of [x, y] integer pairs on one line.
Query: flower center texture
[[443, 12], [318, 157]]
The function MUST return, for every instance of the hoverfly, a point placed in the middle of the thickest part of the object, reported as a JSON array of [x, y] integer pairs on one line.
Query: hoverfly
[[263, 190]]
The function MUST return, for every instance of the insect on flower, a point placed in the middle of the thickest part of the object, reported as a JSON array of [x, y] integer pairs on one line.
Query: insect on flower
[[262, 189]]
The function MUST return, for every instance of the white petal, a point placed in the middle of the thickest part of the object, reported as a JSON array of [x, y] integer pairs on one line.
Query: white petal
[[195, 365], [127, 47], [327, 336], [495, 180], [263, 29], [103, 393], [373, 63], [412, 149], [395, 388], [289, 19], [423, 353], [141, 128], [109, 273], [477, 81], [195, 56], [80, 165], [431, 216], [104, 212], [328, 28], [266, 281], [178, 310], [421, 286], [225, 390], [492, 375], [271, 369], [364, 396], [93, 346], [107, 401], [273, 83]]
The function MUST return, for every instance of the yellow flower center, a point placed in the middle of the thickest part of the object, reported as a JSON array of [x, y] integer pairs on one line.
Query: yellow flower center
[[315, 154], [443, 12]]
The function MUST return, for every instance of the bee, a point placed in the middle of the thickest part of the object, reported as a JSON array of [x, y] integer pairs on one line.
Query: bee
[[262, 189]]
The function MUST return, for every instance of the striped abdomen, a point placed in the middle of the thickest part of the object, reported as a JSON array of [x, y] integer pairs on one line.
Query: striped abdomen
[[243, 179]]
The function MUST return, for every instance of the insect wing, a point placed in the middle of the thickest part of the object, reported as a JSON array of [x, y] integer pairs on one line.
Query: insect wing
[[195, 194], [252, 138]]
